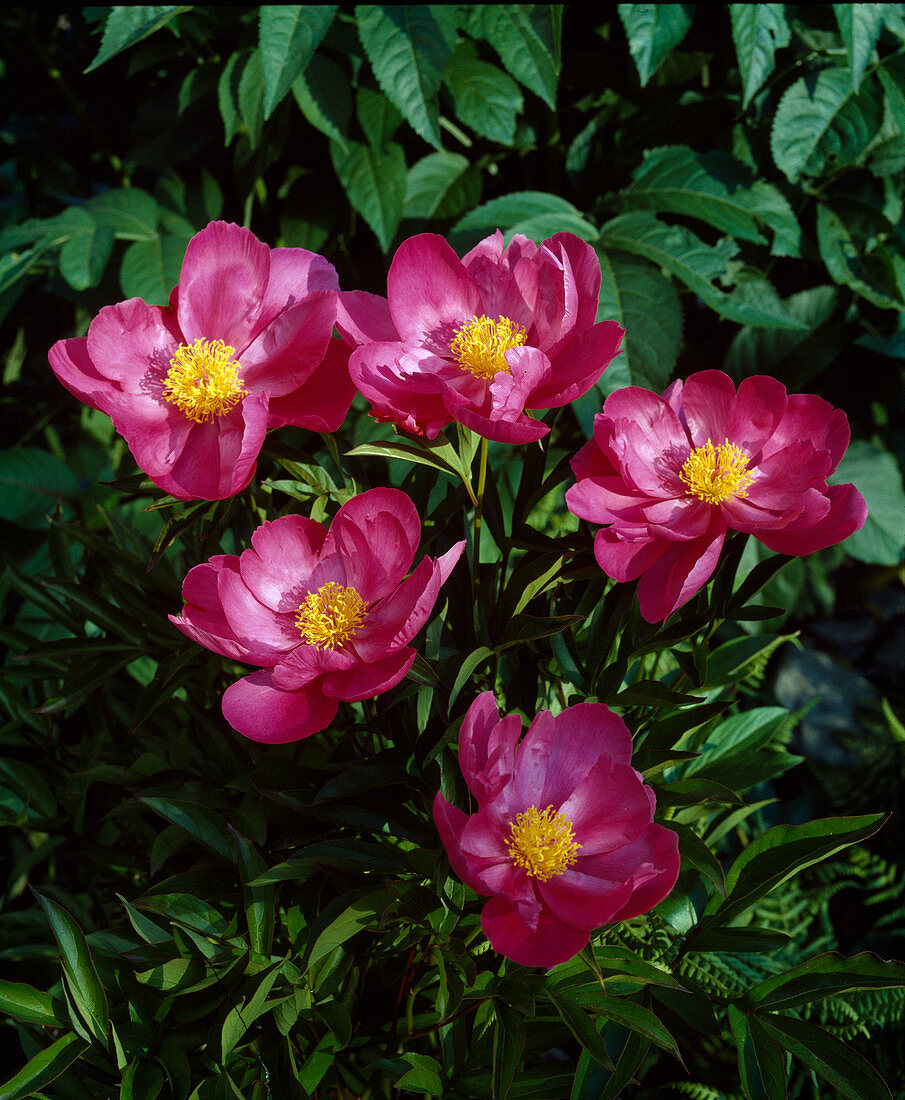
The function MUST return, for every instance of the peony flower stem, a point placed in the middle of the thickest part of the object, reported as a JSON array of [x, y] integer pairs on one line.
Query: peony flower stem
[[587, 953], [478, 507]]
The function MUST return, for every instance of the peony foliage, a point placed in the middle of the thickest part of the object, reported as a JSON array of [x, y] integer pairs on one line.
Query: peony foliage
[[452, 518]]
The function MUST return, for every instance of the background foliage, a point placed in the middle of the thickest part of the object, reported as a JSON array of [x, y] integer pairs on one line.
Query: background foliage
[[214, 919]]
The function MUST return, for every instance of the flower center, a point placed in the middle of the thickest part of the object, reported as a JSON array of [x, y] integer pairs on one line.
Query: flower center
[[542, 842], [715, 474], [203, 380], [331, 615], [479, 345]]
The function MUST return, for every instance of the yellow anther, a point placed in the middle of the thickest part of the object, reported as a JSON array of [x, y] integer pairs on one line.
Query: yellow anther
[[479, 345], [330, 616], [714, 474], [203, 380], [542, 842]]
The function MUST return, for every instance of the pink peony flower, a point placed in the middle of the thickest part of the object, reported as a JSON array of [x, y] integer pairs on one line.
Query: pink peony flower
[[326, 615], [563, 839], [669, 475], [481, 339], [244, 345]]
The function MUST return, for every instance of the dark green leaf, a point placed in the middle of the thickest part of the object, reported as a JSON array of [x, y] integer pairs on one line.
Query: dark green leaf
[[747, 940], [693, 850], [131, 213], [84, 256], [653, 32], [761, 1063], [847, 267], [251, 98], [638, 1018], [758, 30], [259, 900], [32, 483], [860, 26], [526, 38], [360, 913], [484, 98], [508, 1044], [827, 975], [374, 180], [45, 1067], [24, 1002], [150, 269], [288, 35], [582, 1027], [129, 24], [197, 821], [519, 210], [433, 183], [877, 477], [322, 93]]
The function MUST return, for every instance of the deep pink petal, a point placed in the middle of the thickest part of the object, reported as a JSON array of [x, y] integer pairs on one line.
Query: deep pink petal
[[551, 943], [579, 364], [512, 392], [222, 285], [396, 619], [367, 680], [307, 663], [609, 807], [581, 735], [625, 560], [847, 514], [708, 404], [266, 635], [363, 318], [759, 407], [202, 617], [403, 384], [132, 343], [262, 712], [523, 430], [380, 527], [487, 745], [506, 277], [679, 573], [582, 899], [285, 553], [295, 272], [292, 346], [322, 401], [73, 367], [431, 295], [450, 822], [810, 417], [652, 862]]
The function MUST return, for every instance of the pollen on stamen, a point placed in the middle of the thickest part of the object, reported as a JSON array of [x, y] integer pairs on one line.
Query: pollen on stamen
[[203, 380], [714, 474], [330, 616], [479, 346], [542, 842]]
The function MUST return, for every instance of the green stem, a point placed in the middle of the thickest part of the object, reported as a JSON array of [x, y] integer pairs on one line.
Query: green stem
[[587, 953], [479, 505]]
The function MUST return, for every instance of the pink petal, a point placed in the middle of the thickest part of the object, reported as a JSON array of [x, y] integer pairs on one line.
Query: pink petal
[[759, 407], [367, 680], [551, 943], [810, 417], [708, 405], [295, 272], [584, 267], [322, 401], [487, 747], [430, 293], [679, 573], [285, 552], [132, 343], [450, 822], [307, 663], [625, 560], [512, 393], [585, 900], [847, 514], [653, 864], [403, 385], [288, 351], [222, 285], [73, 367], [261, 712], [506, 277], [579, 364], [396, 619], [266, 635], [581, 736], [202, 618], [609, 807], [363, 318]]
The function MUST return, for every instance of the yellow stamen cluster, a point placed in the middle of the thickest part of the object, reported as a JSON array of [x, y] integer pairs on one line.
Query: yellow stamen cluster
[[542, 842], [714, 474], [330, 616], [203, 380], [480, 344]]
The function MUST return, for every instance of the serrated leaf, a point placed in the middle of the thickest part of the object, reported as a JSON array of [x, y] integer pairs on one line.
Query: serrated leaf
[[653, 32], [876, 475], [779, 351], [519, 211], [251, 98], [841, 255], [484, 98], [430, 182], [84, 256], [150, 269], [860, 26], [32, 485], [323, 96], [758, 30], [526, 38], [43, 1068], [82, 982], [288, 35], [131, 213], [822, 121], [408, 47], [761, 1064], [782, 852], [228, 96], [126, 25], [828, 1056], [687, 257], [374, 181]]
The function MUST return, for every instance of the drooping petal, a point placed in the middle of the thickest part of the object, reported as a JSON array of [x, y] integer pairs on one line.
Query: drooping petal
[[847, 514], [579, 364], [367, 680], [266, 635], [287, 352], [625, 560], [651, 865], [322, 401], [681, 571], [202, 617], [450, 822], [403, 384], [364, 318], [261, 712], [551, 943]]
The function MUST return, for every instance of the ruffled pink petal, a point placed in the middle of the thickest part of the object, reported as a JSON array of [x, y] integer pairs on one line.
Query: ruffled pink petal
[[202, 618], [585, 900], [679, 573], [132, 344], [506, 277], [459, 407], [847, 514], [322, 401], [366, 681], [288, 351], [626, 560], [266, 636], [511, 393], [652, 862], [403, 385], [551, 943], [579, 364], [708, 404], [363, 318], [307, 663], [381, 524], [581, 736], [782, 477], [810, 417], [431, 295], [487, 745], [285, 553], [222, 285], [584, 267], [396, 619], [606, 500], [531, 760], [262, 712], [218, 458]]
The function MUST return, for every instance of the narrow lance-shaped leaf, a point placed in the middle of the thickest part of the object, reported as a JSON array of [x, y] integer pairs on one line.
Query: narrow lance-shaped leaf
[[46, 1066], [761, 1063], [826, 975], [129, 24]]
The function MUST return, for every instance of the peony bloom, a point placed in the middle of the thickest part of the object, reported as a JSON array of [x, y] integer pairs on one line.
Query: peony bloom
[[244, 345], [669, 475], [326, 615], [481, 339], [563, 839]]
